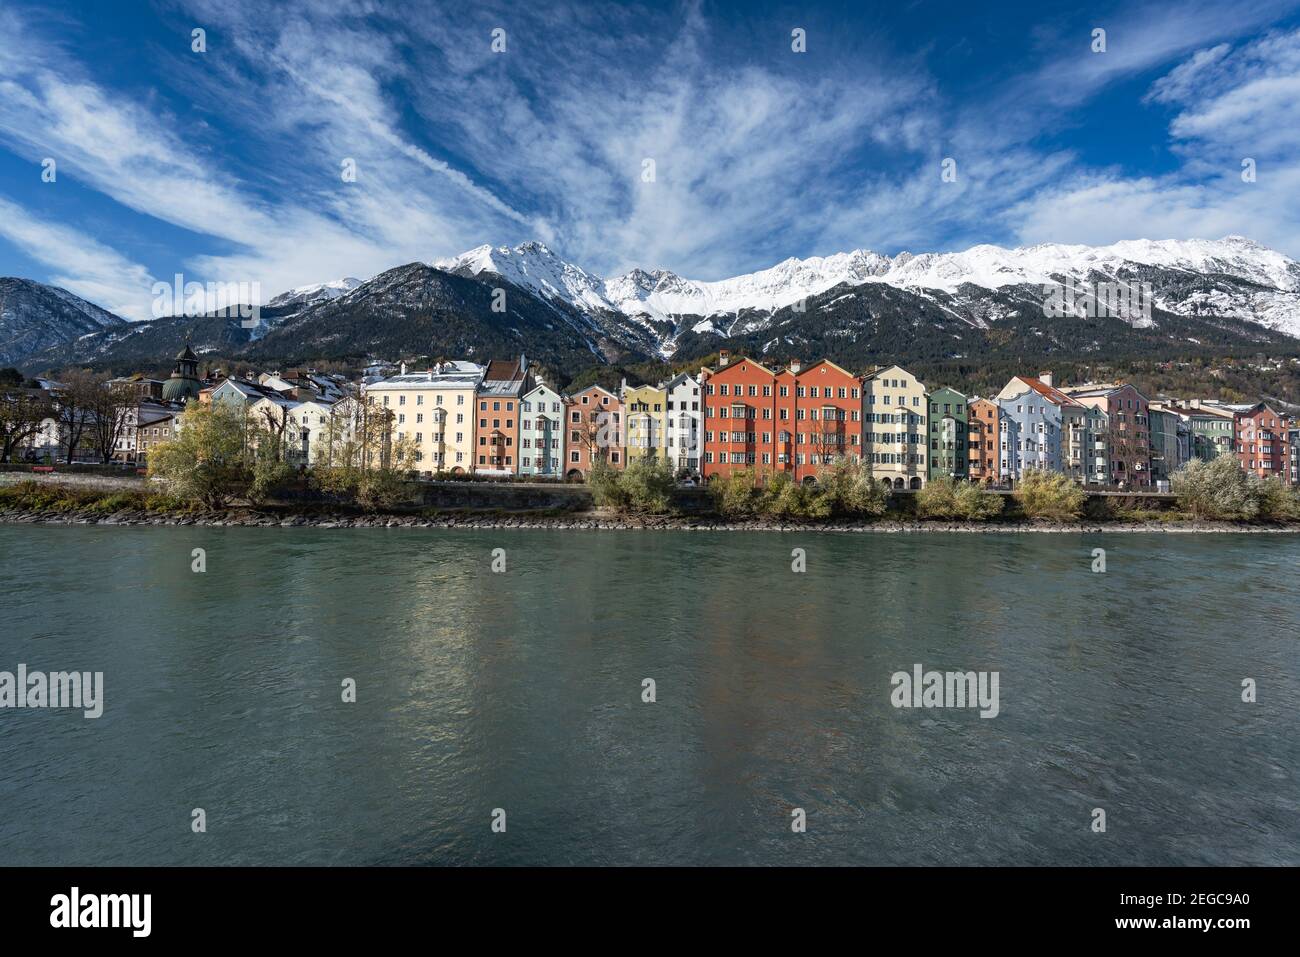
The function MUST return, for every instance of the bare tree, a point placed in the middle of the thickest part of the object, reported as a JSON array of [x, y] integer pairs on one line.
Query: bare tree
[[112, 406], [21, 413], [74, 400]]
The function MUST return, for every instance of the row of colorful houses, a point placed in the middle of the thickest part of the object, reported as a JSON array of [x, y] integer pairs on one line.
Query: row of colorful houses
[[744, 414], [798, 418], [503, 419]]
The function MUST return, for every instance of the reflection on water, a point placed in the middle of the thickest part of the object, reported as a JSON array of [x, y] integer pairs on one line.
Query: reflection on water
[[522, 691]]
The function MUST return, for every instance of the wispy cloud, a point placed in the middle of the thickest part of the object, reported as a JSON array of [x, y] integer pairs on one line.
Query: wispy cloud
[[758, 152], [1233, 105], [79, 263]]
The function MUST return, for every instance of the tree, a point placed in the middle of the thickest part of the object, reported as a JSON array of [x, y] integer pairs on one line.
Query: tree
[[208, 461], [74, 398], [21, 413], [111, 406], [1050, 495], [360, 458], [1218, 489]]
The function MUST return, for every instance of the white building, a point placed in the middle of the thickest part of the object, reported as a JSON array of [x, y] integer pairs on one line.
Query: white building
[[685, 418], [541, 433]]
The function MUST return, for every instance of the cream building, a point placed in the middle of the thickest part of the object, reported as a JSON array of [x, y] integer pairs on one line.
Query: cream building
[[645, 411], [895, 427], [434, 410]]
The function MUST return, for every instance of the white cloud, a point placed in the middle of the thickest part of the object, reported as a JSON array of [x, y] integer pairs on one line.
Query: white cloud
[[1232, 104], [81, 264]]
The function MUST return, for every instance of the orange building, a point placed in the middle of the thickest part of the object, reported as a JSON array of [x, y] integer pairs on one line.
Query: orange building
[[796, 420], [499, 398], [982, 439], [594, 431]]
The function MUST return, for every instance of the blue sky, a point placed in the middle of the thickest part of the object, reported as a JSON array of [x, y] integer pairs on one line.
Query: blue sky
[[226, 165]]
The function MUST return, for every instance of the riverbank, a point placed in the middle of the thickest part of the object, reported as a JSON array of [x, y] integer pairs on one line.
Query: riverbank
[[597, 520], [131, 502]]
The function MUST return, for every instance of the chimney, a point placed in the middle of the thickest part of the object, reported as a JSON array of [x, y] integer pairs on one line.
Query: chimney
[[796, 365], [723, 357], [1046, 379], [430, 374], [403, 368]]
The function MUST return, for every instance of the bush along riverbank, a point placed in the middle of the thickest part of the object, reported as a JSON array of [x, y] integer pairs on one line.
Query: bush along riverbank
[[847, 504]]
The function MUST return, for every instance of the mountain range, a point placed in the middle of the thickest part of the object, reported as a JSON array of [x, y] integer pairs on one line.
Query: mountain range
[[1209, 297]]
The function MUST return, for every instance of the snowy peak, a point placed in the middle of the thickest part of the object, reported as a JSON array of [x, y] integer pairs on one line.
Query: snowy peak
[[534, 267], [1261, 284], [994, 266], [310, 295]]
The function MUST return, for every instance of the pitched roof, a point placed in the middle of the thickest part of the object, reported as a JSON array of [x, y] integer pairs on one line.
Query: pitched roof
[[1051, 393]]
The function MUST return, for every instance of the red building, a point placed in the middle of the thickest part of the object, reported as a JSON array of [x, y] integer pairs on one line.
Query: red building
[[1263, 442], [796, 420], [1128, 430], [594, 423]]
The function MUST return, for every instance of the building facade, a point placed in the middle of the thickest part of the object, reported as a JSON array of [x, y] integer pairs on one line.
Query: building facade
[[949, 432], [738, 396], [1264, 442], [984, 431], [541, 433], [1032, 421], [434, 411], [684, 418], [500, 398], [593, 431], [646, 410], [1128, 430], [895, 423]]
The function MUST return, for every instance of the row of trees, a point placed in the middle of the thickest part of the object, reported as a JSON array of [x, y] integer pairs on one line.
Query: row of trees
[[1218, 490], [221, 453], [90, 411]]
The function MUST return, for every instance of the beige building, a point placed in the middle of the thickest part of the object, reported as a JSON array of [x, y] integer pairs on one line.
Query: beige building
[[434, 410], [895, 427]]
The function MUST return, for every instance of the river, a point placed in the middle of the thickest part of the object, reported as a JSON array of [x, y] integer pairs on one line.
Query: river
[[522, 690]]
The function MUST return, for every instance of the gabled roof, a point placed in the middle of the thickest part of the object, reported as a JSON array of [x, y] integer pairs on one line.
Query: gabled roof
[[804, 370], [594, 388], [678, 379], [735, 362], [1048, 392]]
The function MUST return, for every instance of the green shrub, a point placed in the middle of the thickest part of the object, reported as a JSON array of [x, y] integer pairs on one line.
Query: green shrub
[[1050, 495], [852, 490], [1277, 502], [938, 499], [606, 491], [1218, 489], [783, 497], [736, 495], [976, 504], [646, 485]]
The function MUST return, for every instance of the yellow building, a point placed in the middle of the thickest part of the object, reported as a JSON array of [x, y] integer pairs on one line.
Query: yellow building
[[645, 408], [434, 409], [895, 428]]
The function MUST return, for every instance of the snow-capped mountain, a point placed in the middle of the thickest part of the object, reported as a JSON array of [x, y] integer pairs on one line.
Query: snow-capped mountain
[[310, 295], [985, 304], [534, 267], [34, 317], [1236, 277]]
